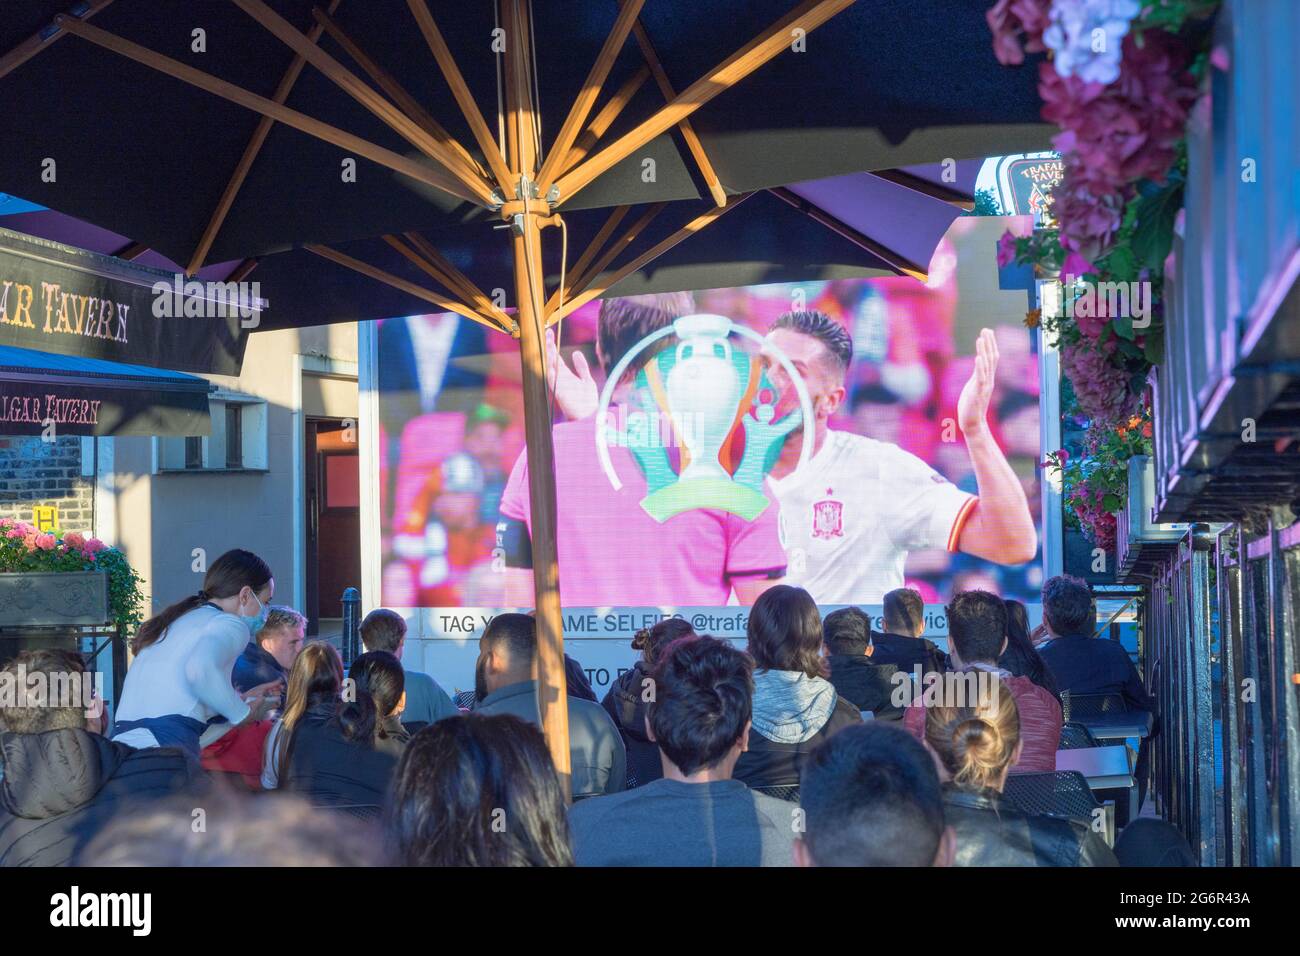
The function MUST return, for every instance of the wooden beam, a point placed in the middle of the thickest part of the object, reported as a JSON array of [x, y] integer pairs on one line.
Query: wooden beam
[[131, 251], [558, 157], [605, 117], [397, 282], [241, 271], [395, 91], [428, 260], [807, 16], [464, 99], [687, 130], [245, 163], [348, 81], [525, 236], [599, 287], [901, 177], [896, 261], [43, 40], [579, 271], [616, 247], [259, 104]]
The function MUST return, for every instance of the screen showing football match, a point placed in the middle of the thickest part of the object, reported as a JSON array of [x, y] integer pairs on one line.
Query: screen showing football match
[[850, 437]]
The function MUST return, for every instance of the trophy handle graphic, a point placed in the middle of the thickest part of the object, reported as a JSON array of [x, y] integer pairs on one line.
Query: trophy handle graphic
[[695, 330]]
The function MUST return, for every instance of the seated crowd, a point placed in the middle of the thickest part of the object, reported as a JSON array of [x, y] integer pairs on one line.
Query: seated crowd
[[824, 743]]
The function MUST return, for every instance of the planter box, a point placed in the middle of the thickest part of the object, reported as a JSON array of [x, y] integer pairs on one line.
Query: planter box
[[54, 599]]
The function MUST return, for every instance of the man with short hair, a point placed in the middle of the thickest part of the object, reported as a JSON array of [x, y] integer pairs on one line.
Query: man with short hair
[[696, 814], [977, 634], [1084, 664], [611, 550], [901, 644], [860, 505], [855, 674], [505, 678], [426, 702], [270, 656], [62, 781], [871, 797], [1080, 663]]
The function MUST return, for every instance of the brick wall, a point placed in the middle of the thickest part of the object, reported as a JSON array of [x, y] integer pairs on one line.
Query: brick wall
[[35, 472]]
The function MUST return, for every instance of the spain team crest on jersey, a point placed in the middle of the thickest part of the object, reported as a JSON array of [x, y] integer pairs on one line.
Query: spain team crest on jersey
[[828, 518]]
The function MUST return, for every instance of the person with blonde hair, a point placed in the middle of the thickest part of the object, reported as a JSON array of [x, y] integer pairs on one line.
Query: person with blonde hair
[[975, 744], [315, 685]]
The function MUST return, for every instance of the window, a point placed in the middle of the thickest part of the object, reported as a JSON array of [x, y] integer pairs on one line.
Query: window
[[238, 441]]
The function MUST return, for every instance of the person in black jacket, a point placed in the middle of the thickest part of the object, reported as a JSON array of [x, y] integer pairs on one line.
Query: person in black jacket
[[63, 781], [857, 677], [976, 744], [901, 644], [627, 699], [795, 707], [380, 674]]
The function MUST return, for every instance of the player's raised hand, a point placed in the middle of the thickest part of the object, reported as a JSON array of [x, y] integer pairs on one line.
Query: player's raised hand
[[575, 390], [973, 405]]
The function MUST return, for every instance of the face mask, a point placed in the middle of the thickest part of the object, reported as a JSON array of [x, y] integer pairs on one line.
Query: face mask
[[255, 622]]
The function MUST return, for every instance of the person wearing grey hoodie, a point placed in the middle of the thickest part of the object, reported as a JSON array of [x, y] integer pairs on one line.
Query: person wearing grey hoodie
[[795, 707]]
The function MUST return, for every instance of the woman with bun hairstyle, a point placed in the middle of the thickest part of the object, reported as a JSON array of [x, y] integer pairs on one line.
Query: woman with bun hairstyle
[[628, 698], [178, 691], [975, 745]]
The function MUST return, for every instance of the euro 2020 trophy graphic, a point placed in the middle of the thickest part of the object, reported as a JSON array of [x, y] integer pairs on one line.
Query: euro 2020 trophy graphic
[[710, 409]]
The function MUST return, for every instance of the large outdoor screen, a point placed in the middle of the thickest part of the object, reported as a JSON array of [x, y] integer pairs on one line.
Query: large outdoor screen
[[699, 461]]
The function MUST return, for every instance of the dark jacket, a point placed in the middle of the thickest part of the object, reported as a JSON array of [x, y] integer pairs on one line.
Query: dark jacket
[[330, 770], [599, 762], [989, 833], [254, 667], [866, 684], [393, 737], [62, 787], [906, 653], [793, 715], [1019, 664], [623, 702], [1083, 664]]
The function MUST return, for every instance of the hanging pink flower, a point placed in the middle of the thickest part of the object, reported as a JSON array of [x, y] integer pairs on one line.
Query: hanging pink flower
[[94, 546], [1075, 265], [1006, 250], [46, 542], [74, 540], [1010, 20]]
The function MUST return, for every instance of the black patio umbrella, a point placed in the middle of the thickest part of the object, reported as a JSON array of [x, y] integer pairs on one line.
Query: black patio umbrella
[[196, 130]]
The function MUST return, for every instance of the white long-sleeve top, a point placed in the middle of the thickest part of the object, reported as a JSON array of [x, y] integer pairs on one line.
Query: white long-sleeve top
[[186, 673]]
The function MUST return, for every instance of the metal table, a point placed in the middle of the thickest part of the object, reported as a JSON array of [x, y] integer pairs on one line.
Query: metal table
[[1106, 768], [1118, 725]]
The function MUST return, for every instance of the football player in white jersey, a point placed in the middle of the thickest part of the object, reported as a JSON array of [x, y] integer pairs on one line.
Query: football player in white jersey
[[860, 505]]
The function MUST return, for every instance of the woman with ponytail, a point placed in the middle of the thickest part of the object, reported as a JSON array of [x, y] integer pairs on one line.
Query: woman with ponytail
[[178, 691], [627, 699], [330, 748], [975, 744]]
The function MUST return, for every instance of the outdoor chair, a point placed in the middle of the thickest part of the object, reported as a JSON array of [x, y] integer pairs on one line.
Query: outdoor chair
[[1082, 706], [1076, 736], [1063, 793]]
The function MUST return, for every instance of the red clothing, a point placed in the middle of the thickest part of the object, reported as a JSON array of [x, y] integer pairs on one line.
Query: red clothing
[[239, 751], [1040, 724]]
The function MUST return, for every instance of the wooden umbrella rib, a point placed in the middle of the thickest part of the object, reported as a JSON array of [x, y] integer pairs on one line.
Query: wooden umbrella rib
[[617, 246], [255, 143], [439, 267], [807, 16], [348, 81], [895, 260], [605, 117], [447, 63], [397, 282], [577, 275], [597, 289], [901, 177], [692, 139], [396, 92], [260, 104], [44, 39], [131, 251], [557, 158]]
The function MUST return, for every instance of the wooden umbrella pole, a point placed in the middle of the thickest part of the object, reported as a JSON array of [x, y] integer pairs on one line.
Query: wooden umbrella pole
[[525, 219]]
